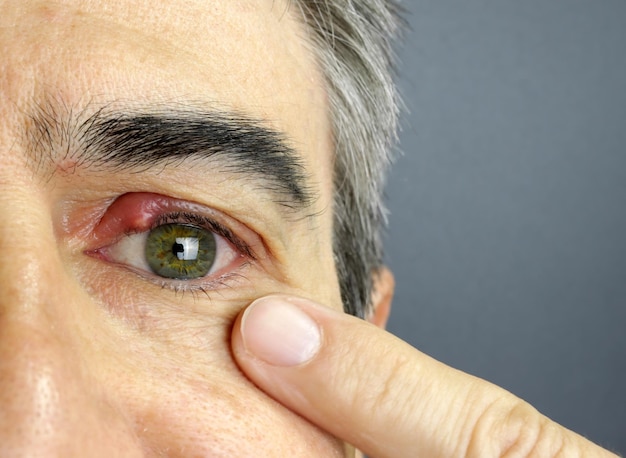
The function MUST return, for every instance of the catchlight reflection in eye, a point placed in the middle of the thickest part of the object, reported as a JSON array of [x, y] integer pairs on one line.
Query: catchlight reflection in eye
[[180, 251]]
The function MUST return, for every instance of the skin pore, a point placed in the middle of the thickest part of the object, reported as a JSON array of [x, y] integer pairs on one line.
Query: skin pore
[[97, 354]]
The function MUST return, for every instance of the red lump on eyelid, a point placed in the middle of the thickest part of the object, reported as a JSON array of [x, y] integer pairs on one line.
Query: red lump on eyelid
[[103, 219], [136, 211]]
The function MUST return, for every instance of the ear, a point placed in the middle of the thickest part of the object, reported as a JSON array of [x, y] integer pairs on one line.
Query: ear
[[382, 294]]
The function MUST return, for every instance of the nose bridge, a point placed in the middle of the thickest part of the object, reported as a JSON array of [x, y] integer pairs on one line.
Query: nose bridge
[[35, 359], [29, 256], [52, 401]]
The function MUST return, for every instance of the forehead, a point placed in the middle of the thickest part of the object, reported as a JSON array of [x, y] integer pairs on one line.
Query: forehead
[[244, 56]]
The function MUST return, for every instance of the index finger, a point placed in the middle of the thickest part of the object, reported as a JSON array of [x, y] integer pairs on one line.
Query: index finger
[[381, 395]]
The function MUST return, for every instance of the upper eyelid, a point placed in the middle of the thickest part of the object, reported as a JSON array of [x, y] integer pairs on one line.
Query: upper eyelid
[[138, 211]]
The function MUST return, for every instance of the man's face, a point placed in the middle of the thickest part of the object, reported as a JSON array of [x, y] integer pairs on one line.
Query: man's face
[[151, 186]]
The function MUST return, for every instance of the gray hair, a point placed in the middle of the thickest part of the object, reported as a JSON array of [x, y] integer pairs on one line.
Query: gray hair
[[352, 40]]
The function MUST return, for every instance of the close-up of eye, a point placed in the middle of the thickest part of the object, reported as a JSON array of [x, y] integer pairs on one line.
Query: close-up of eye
[[164, 239], [174, 250]]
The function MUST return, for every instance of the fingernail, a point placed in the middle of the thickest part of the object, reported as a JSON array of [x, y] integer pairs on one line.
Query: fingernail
[[279, 333]]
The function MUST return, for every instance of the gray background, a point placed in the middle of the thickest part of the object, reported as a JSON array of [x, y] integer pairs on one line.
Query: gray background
[[508, 226]]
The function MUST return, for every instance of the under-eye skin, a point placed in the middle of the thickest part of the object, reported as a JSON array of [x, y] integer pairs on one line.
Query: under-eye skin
[[180, 251]]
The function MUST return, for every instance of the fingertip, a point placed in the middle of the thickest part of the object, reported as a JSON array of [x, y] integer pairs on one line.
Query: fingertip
[[278, 332]]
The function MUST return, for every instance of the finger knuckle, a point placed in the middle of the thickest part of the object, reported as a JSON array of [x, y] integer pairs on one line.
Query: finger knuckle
[[510, 427]]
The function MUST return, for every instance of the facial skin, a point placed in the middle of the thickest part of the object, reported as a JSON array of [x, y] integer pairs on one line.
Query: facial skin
[[99, 357]]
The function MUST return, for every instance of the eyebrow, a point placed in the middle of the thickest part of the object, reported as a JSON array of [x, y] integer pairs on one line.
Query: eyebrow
[[138, 140]]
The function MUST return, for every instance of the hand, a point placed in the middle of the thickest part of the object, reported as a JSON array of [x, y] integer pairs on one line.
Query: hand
[[383, 396]]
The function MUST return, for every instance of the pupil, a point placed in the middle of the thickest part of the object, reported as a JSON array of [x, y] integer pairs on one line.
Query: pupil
[[177, 248]]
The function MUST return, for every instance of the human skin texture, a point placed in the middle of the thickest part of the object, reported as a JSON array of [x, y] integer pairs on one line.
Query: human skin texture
[[99, 357]]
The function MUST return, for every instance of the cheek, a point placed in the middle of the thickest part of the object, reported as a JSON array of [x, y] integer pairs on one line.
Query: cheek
[[227, 421], [176, 385], [211, 411]]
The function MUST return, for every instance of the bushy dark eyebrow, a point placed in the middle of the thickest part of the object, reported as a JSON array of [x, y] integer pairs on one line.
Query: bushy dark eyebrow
[[139, 140]]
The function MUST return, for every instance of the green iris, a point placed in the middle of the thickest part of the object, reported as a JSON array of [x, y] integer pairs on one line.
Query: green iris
[[180, 251]]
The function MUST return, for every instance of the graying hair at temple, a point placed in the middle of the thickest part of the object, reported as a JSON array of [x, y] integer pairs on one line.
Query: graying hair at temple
[[353, 42]]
